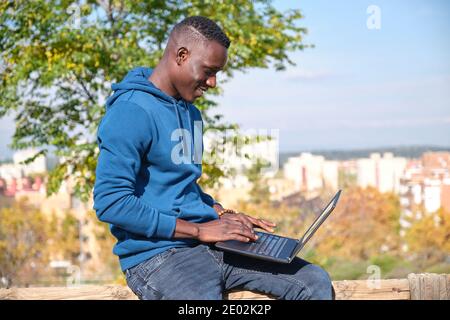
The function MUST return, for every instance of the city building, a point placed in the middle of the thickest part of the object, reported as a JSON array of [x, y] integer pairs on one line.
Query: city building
[[424, 187], [310, 173], [383, 173], [237, 157]]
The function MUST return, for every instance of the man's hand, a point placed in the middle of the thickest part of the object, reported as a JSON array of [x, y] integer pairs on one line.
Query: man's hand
[[230, 226], [225, 229], [249, 221]]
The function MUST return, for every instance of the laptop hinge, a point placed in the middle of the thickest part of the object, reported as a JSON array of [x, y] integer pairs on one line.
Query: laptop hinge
[[297, 249]]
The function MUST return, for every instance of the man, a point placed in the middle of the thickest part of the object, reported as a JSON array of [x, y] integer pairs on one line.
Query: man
[[146, 185]]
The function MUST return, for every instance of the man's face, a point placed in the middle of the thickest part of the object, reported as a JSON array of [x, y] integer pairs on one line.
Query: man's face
[[197, 69]]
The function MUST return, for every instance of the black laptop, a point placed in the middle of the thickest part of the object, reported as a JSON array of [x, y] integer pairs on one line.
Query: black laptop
[[277, 248]]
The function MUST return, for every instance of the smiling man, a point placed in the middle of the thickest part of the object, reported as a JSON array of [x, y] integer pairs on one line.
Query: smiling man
[[164, 223]]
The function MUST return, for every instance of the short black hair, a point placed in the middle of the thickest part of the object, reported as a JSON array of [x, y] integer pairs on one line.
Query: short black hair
[[206, 27]]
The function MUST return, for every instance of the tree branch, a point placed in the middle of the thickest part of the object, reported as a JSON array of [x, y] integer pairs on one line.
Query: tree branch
[[85, 89], [107, 6]]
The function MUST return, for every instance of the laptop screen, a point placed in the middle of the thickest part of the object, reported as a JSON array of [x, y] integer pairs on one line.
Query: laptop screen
[[319, 220]]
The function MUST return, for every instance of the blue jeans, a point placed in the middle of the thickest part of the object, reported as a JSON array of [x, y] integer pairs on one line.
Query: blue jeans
[[204, 273]]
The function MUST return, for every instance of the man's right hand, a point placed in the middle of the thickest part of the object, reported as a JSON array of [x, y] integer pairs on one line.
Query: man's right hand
[[225, 229], [215, 230]]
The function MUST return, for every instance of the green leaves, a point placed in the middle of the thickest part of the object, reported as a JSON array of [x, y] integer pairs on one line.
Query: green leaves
[[58, 60]]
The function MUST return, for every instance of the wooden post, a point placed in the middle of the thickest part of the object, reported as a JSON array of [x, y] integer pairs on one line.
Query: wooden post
[[429, 286]]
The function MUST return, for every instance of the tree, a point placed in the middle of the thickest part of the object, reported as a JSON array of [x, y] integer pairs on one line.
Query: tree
[[364, 224], [429, 237], [259, 192], [59, 57], [30, 240], [63, 236], [23, 238], [109, 263]]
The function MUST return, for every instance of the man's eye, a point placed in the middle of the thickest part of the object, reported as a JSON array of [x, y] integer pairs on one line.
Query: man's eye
[[209, 73]]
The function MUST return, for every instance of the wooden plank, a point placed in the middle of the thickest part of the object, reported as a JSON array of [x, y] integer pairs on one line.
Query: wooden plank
[[436, 288], [417, 286], [391, 289], [444, 287], [414, 286], [88, 292], [345, 290], [448, 286], [246, 295], [428, 286]]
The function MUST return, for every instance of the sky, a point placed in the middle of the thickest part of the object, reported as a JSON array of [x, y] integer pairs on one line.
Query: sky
[[357, 88]]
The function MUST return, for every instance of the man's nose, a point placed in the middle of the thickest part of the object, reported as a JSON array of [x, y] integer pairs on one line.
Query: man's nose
[[211, 82]]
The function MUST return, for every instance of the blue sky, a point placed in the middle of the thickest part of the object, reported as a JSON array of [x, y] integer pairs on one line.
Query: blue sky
[[358, 88]]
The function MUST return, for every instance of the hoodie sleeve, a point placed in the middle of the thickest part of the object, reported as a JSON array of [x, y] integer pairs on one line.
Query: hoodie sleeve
[[124, 136]]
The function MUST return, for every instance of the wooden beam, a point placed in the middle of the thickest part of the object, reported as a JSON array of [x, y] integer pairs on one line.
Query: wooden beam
[[417, 286], [83, 292], [393, 289]]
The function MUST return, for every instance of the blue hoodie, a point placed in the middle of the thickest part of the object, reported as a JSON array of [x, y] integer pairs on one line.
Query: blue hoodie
[[140, 190]]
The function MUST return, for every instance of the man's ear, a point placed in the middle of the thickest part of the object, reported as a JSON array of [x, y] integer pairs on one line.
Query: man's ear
[[182, 55]]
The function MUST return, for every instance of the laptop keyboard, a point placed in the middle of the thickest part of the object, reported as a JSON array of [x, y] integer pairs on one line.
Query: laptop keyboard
[[268, 244]]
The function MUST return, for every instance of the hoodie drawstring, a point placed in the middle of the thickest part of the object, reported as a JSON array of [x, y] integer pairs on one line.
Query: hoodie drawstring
[[191, 130]]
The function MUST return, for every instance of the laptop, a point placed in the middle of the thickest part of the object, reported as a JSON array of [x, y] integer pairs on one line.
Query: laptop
[[276, 248]]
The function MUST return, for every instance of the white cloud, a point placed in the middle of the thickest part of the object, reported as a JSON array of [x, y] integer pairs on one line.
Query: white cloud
[[298, 74], [381, 123]]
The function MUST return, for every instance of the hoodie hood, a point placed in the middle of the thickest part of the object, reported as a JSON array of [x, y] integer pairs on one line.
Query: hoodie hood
[[137, 79]]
